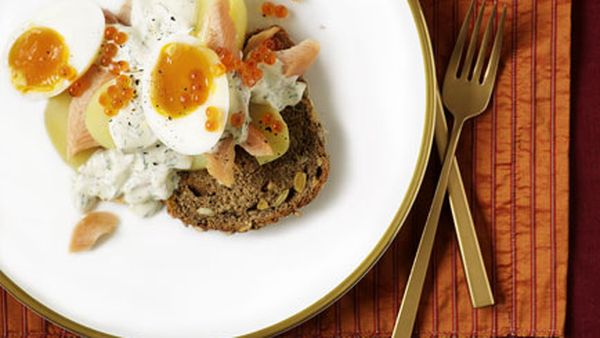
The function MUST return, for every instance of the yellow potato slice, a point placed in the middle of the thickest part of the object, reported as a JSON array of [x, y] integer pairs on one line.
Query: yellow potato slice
[[55, 118], [96, 121], [280, 142], [198, 163], [238, 12]]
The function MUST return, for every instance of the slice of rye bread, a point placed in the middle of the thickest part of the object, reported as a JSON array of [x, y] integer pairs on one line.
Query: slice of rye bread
[[264, 194]]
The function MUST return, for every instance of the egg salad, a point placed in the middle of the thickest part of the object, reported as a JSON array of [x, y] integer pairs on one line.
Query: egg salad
[[161, 86]]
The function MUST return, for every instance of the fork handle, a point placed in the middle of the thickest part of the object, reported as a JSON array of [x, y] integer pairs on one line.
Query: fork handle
[[470, 251], [414, 287]]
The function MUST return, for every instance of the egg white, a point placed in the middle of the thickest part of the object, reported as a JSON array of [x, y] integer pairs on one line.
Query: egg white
[[187, 135], [81, 23], [157, 20]]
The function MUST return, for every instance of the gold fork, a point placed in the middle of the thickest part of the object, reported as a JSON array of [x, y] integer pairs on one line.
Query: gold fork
[[466, 94], [473, 264]]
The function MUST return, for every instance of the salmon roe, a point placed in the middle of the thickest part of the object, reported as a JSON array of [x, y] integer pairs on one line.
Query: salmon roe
[[213, 115], [268, 8], [110, 33], [277, 127], [249, 69], [113, 39], [110, 48], [269, 121], [237, 120], [83, 83], [281, 12], [117, 96], [121, 38]]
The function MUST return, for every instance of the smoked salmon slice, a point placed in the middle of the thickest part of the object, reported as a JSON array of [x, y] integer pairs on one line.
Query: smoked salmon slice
[[123, 16], [257, 144], [220, 164], [218, 29], [78, 137], [299, 58]]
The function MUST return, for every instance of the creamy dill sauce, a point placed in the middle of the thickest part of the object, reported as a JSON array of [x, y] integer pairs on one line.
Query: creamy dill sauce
[[276, 89], [141, 179], [239, 102]]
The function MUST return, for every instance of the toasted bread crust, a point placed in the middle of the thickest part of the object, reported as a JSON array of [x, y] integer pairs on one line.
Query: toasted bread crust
[[264, 194]]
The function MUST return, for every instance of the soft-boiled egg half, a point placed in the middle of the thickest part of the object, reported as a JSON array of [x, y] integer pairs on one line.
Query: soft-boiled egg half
[[51, 51], [186, 95]]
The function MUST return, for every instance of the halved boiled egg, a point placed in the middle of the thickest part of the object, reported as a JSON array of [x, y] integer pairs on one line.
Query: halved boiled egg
[[51, 51], [186, 95]]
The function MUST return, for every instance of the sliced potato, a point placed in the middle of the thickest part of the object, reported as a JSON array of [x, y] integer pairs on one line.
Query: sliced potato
[[55, 118], [279, 141], [238, 13], [198, 163], [96, 121]]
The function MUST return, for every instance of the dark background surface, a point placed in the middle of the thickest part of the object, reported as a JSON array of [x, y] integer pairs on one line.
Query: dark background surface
[[583, 312]]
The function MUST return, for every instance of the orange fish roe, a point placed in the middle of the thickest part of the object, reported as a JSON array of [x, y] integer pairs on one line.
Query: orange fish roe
[[110, 33], [114, 68], [123, 65], [83, 83], [269, 121], [113, 39], [263, 53], [237, 120], [121, 38], [270, 9], [117, 96], [281, 12], [110, 50], [213, 115], [277, 127], [248, 69]]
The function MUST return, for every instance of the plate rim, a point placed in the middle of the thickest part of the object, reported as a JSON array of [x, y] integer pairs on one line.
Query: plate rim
[[314, 309]]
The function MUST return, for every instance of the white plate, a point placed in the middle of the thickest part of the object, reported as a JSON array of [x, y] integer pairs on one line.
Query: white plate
[[372, 86]]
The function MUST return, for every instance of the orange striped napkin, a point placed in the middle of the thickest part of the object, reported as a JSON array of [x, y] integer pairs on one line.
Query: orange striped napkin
[[515, 164]]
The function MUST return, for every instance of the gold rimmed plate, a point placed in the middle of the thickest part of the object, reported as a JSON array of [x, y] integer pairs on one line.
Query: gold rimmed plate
[[374, 89]]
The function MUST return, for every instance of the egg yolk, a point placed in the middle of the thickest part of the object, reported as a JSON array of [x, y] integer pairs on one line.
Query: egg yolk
[[39, 61], [181, 80]]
